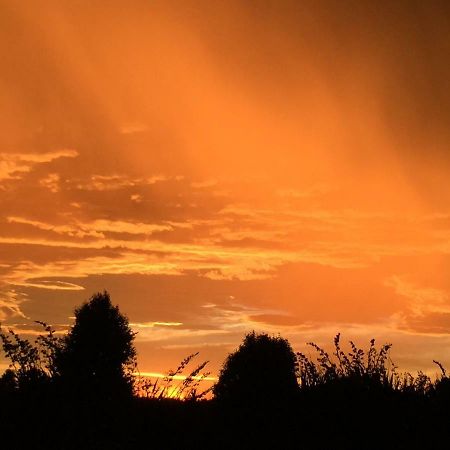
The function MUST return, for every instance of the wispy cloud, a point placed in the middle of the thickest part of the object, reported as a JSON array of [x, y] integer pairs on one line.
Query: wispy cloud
[[51, 182], [121, 181], [10, 302], [427, 310], [96, 228], [133, 128], [14, 165], [422, 300], [155, 324]]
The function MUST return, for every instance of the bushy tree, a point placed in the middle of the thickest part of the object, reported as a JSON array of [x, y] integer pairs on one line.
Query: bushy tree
[[98, 355], [261, 370]]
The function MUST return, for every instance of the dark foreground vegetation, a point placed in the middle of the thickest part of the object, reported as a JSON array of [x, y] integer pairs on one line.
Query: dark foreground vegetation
[[80, 391]]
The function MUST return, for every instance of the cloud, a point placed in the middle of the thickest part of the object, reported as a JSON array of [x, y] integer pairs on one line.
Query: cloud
[[116, 182], [155, 324], [51, 285], [252, 246], [241, 318], [174, 377], [15, 165], [69, 230], [51, 182], [422, 300], [167, 334], [48, 276], [117, 226], [313, 191], [133, 128], [10, 302], [96, 228], [31, 329], [205, 184], [427, 311], [136, 198]]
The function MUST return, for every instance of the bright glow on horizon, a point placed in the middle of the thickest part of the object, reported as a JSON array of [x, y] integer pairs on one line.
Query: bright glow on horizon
[[172, 377]]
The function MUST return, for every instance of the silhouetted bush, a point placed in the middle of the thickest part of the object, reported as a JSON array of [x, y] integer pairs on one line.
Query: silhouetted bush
[[8, 382], [27, 365], [261, 370], [371, 370], [358, 371]]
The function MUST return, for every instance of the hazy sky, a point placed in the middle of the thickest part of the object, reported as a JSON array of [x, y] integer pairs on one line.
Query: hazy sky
[[223, 166]]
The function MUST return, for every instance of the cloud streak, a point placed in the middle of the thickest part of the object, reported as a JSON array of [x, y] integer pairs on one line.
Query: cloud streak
[[15, 165]]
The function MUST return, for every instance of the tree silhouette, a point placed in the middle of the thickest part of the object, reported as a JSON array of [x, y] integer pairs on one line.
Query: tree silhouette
[[98, 355], [262, 369]]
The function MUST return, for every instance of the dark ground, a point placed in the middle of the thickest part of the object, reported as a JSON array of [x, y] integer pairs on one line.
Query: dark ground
[[323, 418]]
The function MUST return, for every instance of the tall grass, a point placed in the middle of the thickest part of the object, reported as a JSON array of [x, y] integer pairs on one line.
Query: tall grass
[[176, 385], [373, 367]]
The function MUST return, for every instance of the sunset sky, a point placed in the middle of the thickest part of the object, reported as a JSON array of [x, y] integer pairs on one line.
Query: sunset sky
[[224, 166]]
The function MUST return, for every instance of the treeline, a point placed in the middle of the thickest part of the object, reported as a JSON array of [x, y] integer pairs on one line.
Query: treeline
[[81, 391]]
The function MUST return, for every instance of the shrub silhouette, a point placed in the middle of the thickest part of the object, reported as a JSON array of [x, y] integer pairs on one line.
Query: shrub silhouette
[[8, 382], [261, 370], [360, 372], [357, 368], [28, 364], [98, 355]]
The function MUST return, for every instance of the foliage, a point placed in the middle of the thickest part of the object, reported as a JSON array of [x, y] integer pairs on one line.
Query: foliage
[[30, 363], [98, 354], [51, 347], [262, 369], [372, 369]]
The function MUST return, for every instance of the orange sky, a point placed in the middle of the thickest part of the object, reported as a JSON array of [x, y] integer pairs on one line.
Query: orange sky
[[227, 166]]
